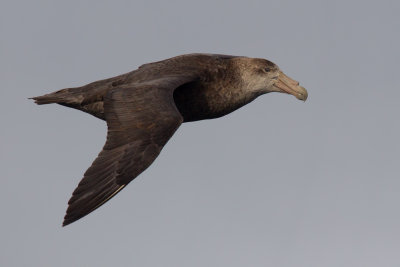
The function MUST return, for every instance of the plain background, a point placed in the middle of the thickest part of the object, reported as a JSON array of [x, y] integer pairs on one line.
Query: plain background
[[277, 183]]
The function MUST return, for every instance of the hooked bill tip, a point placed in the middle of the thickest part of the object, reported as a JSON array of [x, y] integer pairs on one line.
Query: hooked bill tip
[[302, 94]]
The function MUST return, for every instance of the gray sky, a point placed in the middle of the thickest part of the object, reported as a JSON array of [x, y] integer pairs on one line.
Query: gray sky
[[276, 183]]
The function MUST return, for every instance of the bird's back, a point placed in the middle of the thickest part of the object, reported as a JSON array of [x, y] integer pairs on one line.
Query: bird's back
[[89, 98]]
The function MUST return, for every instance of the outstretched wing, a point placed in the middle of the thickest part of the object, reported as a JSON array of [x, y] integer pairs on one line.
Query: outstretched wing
[[141, 119]]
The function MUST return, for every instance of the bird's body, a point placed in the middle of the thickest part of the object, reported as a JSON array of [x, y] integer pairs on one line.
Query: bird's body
[[143, 109]]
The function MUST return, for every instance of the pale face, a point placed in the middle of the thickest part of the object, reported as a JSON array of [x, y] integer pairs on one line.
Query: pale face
[[262, 76]]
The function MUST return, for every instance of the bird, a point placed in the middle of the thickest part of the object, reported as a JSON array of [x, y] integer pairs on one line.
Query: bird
[[143, 109]]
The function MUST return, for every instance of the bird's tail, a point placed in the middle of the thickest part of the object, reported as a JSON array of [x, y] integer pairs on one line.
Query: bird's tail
[[86, 98], [69, 96]]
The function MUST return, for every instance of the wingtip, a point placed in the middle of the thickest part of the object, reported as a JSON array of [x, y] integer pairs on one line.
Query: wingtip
[[70, 218], [66, 221]]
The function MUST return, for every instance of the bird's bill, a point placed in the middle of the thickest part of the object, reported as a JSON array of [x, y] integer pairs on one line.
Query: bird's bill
[[287, 85]]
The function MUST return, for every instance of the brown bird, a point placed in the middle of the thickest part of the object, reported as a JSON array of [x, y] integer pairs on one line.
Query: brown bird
[[145, 107]]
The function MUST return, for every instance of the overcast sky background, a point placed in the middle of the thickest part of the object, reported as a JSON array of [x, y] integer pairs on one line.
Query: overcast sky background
[[277, 183]]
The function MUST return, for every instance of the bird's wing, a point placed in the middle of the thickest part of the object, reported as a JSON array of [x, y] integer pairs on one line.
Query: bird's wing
[[140, 119]]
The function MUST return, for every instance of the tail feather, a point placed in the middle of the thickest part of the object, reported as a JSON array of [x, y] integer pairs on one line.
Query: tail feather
[[70, 96], [90, 101]]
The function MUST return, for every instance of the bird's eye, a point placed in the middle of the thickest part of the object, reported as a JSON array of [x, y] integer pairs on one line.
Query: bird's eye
[[267, 69]]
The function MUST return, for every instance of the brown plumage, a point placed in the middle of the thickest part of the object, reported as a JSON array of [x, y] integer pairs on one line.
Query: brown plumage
[[144, 108]]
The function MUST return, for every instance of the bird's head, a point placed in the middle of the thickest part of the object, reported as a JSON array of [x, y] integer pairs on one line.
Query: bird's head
[[262, 76]]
